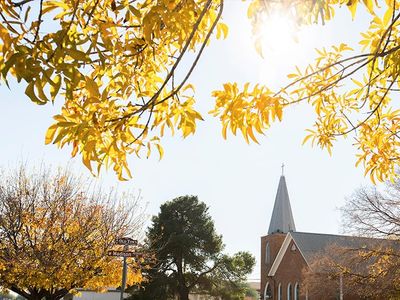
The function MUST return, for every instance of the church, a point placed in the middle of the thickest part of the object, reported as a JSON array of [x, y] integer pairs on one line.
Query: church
[[286, 252]]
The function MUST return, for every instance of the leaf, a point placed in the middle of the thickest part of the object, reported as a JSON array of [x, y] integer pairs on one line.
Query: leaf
[[30, 92], [39, 88], [352, 6], [251, 134], [387, 17], [224, 127], [77, 54], [222, 28], [50, 134], [55, 86], [74, 149], [160, 150], [370, 5], [135, 11], [258, 46], [86, 160], [66, 124], [92, 87]]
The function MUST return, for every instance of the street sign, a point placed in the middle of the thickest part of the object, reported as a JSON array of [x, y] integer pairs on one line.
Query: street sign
[[126, 241], [124, 253]]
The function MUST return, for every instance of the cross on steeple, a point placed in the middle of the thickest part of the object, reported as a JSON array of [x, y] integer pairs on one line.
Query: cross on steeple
[[283, 166]]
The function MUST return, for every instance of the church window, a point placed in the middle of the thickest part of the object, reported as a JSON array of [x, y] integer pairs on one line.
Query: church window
[[280, 291], [268, 291], [296, 291], [267, 254], [289, 291]]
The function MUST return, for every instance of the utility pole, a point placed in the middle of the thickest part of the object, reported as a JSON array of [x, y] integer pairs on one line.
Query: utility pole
[[341, 287], [124, 271]]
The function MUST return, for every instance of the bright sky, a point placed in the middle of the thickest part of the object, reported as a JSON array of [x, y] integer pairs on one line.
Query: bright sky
[[237, 181]]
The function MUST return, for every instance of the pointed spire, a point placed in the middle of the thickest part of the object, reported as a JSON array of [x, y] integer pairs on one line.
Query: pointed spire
[[282, 218]]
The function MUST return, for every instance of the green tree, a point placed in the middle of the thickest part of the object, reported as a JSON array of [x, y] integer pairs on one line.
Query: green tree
[[189, 255]]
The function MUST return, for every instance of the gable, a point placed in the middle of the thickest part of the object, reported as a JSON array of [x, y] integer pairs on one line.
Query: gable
[[289, 241], [292, 263]]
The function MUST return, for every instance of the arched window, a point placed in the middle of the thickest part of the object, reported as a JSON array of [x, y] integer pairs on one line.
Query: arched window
[[267, 254], [296, 291], [280, 291], [289, 291], [268, 291]]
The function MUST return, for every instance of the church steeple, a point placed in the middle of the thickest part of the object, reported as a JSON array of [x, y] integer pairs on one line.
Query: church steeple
[[282, 218]]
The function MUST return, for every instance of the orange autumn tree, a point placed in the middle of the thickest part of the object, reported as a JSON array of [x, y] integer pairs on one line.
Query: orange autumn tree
[[114, 64], [55, 233]]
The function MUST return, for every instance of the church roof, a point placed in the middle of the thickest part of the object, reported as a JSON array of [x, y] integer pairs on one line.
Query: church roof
[[282, 218], [311, 244]]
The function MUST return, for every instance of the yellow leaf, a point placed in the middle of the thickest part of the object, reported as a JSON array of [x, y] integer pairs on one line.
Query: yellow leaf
[[224, 127], [160, 150], [77, 54], [258, 46], [222, 28], [74, 149], [30, 92], [387, 17], [50, 134], [55, 86], [370, 5], [92, 87], [86, 160], [251, 134], [352, 6], [307, 138]]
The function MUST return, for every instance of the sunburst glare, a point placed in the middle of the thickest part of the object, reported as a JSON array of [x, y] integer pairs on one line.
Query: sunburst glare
[[282, 43]]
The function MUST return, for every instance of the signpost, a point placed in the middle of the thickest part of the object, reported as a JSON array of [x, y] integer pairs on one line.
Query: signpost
[[123, 253], [126, 242]]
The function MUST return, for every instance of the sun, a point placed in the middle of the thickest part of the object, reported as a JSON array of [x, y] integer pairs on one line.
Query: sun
[[281, 42], [278, 32]]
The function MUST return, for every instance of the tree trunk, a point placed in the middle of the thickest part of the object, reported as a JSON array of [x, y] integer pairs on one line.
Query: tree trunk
[[183, 293], [182, 288]]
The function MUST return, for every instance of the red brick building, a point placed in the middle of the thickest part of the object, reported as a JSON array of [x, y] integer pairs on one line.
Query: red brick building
[[286, 252]]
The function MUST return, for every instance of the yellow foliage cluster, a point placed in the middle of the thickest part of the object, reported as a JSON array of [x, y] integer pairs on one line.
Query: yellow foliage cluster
[[114, 62], [246, 110], [342, 104]]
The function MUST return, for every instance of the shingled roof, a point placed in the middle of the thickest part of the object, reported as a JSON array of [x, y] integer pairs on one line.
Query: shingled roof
[[311, 244]]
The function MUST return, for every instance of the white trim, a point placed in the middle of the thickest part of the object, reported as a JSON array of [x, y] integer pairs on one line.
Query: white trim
[[279, 291], [266, 290], [289, 291], [295, 295], [281, 253]]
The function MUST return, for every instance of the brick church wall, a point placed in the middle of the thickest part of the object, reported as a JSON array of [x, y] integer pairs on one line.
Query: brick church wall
[[289, 271], [275, 242]]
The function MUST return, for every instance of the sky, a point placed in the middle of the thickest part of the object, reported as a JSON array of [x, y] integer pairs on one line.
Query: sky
[[236, 180]]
